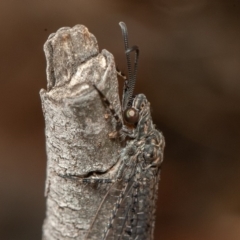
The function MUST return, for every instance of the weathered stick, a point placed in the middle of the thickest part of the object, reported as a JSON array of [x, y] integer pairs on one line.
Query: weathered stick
[[118, 200], [77, 127]]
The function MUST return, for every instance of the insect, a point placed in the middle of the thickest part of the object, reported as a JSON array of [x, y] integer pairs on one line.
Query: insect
[[133, 190]]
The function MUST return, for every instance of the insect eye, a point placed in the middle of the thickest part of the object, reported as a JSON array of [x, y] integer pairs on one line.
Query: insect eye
[[131, 115]]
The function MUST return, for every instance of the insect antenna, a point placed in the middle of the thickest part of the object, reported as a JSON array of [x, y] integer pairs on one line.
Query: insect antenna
[[128, 90], [132, 82], [125, 38]]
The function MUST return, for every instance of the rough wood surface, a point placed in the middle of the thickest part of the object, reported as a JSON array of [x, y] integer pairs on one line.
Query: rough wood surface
[[77, 127]]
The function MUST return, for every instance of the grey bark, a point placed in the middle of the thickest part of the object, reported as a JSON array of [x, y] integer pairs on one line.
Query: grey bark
[[77, 128]]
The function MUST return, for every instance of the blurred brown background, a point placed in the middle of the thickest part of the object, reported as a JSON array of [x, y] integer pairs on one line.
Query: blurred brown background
[[190, 71]]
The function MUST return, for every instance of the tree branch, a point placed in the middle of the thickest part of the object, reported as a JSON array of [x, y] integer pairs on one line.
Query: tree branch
[[77, 128]]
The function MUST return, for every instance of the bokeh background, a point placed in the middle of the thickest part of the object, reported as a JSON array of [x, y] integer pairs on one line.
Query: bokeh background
[[189, 70]]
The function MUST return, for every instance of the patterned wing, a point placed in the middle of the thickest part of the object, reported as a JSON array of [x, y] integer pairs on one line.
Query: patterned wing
[[120, 227], [135, 217], [109, 207], [140, 198]]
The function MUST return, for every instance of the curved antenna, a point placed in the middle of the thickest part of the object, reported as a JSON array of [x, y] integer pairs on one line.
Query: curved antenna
[[133, 80], [125, 38], [129, 86]]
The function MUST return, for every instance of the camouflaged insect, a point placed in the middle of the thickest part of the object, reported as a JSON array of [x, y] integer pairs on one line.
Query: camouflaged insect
[[134, 188]]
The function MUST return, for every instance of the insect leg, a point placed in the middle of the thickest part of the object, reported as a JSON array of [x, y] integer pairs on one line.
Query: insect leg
[[121, 74], [125, 86], [87, 180], [109, 105]]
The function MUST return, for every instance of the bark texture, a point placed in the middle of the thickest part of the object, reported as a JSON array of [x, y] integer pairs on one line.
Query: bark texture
[[77, 128]]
